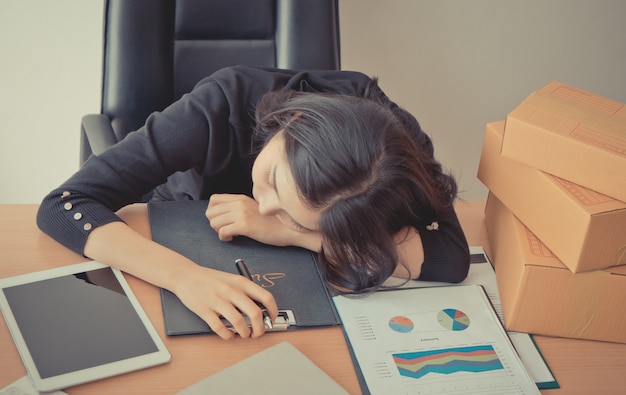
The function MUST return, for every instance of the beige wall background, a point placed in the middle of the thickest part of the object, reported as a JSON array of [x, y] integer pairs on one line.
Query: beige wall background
[[454, 64]]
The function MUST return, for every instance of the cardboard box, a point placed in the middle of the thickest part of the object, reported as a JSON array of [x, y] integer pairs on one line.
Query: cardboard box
[[572, 134], [540, 295], [584, 229]]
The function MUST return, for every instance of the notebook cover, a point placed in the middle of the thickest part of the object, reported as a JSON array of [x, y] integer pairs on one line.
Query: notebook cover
[[290, 273]]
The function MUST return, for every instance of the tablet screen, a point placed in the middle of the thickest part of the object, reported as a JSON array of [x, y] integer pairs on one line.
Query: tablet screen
[[77, 321]]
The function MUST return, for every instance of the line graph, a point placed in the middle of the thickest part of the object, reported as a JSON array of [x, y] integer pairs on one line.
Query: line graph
[[474, 359]]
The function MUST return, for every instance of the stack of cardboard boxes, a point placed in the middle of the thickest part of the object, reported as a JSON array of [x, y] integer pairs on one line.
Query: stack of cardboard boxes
[[556, 213]]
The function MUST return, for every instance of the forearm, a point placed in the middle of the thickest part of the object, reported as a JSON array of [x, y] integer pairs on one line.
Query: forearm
[[209, 293], [117, 245]]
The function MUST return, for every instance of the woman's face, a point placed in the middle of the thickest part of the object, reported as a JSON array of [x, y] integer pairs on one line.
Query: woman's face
[[275, 189]]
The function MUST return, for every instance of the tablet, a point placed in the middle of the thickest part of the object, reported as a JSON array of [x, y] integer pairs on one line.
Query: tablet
[[78, 323]]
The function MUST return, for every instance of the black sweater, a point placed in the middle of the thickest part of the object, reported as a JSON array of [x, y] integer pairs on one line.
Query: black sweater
[[201, 145]]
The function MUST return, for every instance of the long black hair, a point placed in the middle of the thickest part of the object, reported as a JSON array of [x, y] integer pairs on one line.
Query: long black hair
[[367, 166]]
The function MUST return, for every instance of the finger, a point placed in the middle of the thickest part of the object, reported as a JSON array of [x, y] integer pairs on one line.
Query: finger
[[255, 317], [270, 305], [220, 199], [264, 297], [215, 209], [217, 222], [251, 305], [267, 301], [226, 212], [228, 232], [218, 327], [238, 323], [225, 225]]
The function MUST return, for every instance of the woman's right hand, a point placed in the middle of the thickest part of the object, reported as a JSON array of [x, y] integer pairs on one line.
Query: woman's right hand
[[213, 294], [207, 292]]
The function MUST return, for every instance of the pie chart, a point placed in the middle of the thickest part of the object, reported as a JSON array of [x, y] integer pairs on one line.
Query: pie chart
[[401, 324], [453, 319]]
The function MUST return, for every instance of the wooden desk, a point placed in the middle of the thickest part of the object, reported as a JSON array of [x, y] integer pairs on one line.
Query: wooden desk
[[581, 367]]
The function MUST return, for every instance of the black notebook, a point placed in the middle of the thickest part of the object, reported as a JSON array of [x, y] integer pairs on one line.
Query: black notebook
[[291, 274]]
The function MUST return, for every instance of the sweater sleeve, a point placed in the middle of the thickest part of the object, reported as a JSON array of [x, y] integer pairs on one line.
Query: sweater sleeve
[[446, 252], [171, 141]]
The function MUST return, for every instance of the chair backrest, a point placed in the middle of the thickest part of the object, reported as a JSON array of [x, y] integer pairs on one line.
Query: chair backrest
[[157, 50]]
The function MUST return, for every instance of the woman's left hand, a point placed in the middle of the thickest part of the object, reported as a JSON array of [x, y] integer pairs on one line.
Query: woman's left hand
[[238, 215]]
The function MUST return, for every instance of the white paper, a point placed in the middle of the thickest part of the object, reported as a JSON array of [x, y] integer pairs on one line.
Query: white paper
[[432, 340], [484, 275]]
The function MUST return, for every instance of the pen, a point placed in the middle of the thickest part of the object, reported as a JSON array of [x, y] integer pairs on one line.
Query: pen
[[243, 270]]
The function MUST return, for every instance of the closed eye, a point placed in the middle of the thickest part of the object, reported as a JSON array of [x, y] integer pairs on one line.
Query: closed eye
[[298, 226]]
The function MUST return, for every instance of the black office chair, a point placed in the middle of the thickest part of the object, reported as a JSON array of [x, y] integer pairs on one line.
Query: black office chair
[[157, 50]]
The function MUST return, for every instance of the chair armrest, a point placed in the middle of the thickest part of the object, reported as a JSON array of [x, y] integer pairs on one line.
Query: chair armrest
[[96, 135]]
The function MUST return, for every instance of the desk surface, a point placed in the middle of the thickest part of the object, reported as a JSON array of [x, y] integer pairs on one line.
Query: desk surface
[[581, 367]]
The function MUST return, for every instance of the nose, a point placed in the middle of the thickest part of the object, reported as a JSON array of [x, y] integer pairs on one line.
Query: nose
[[268, 203]]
